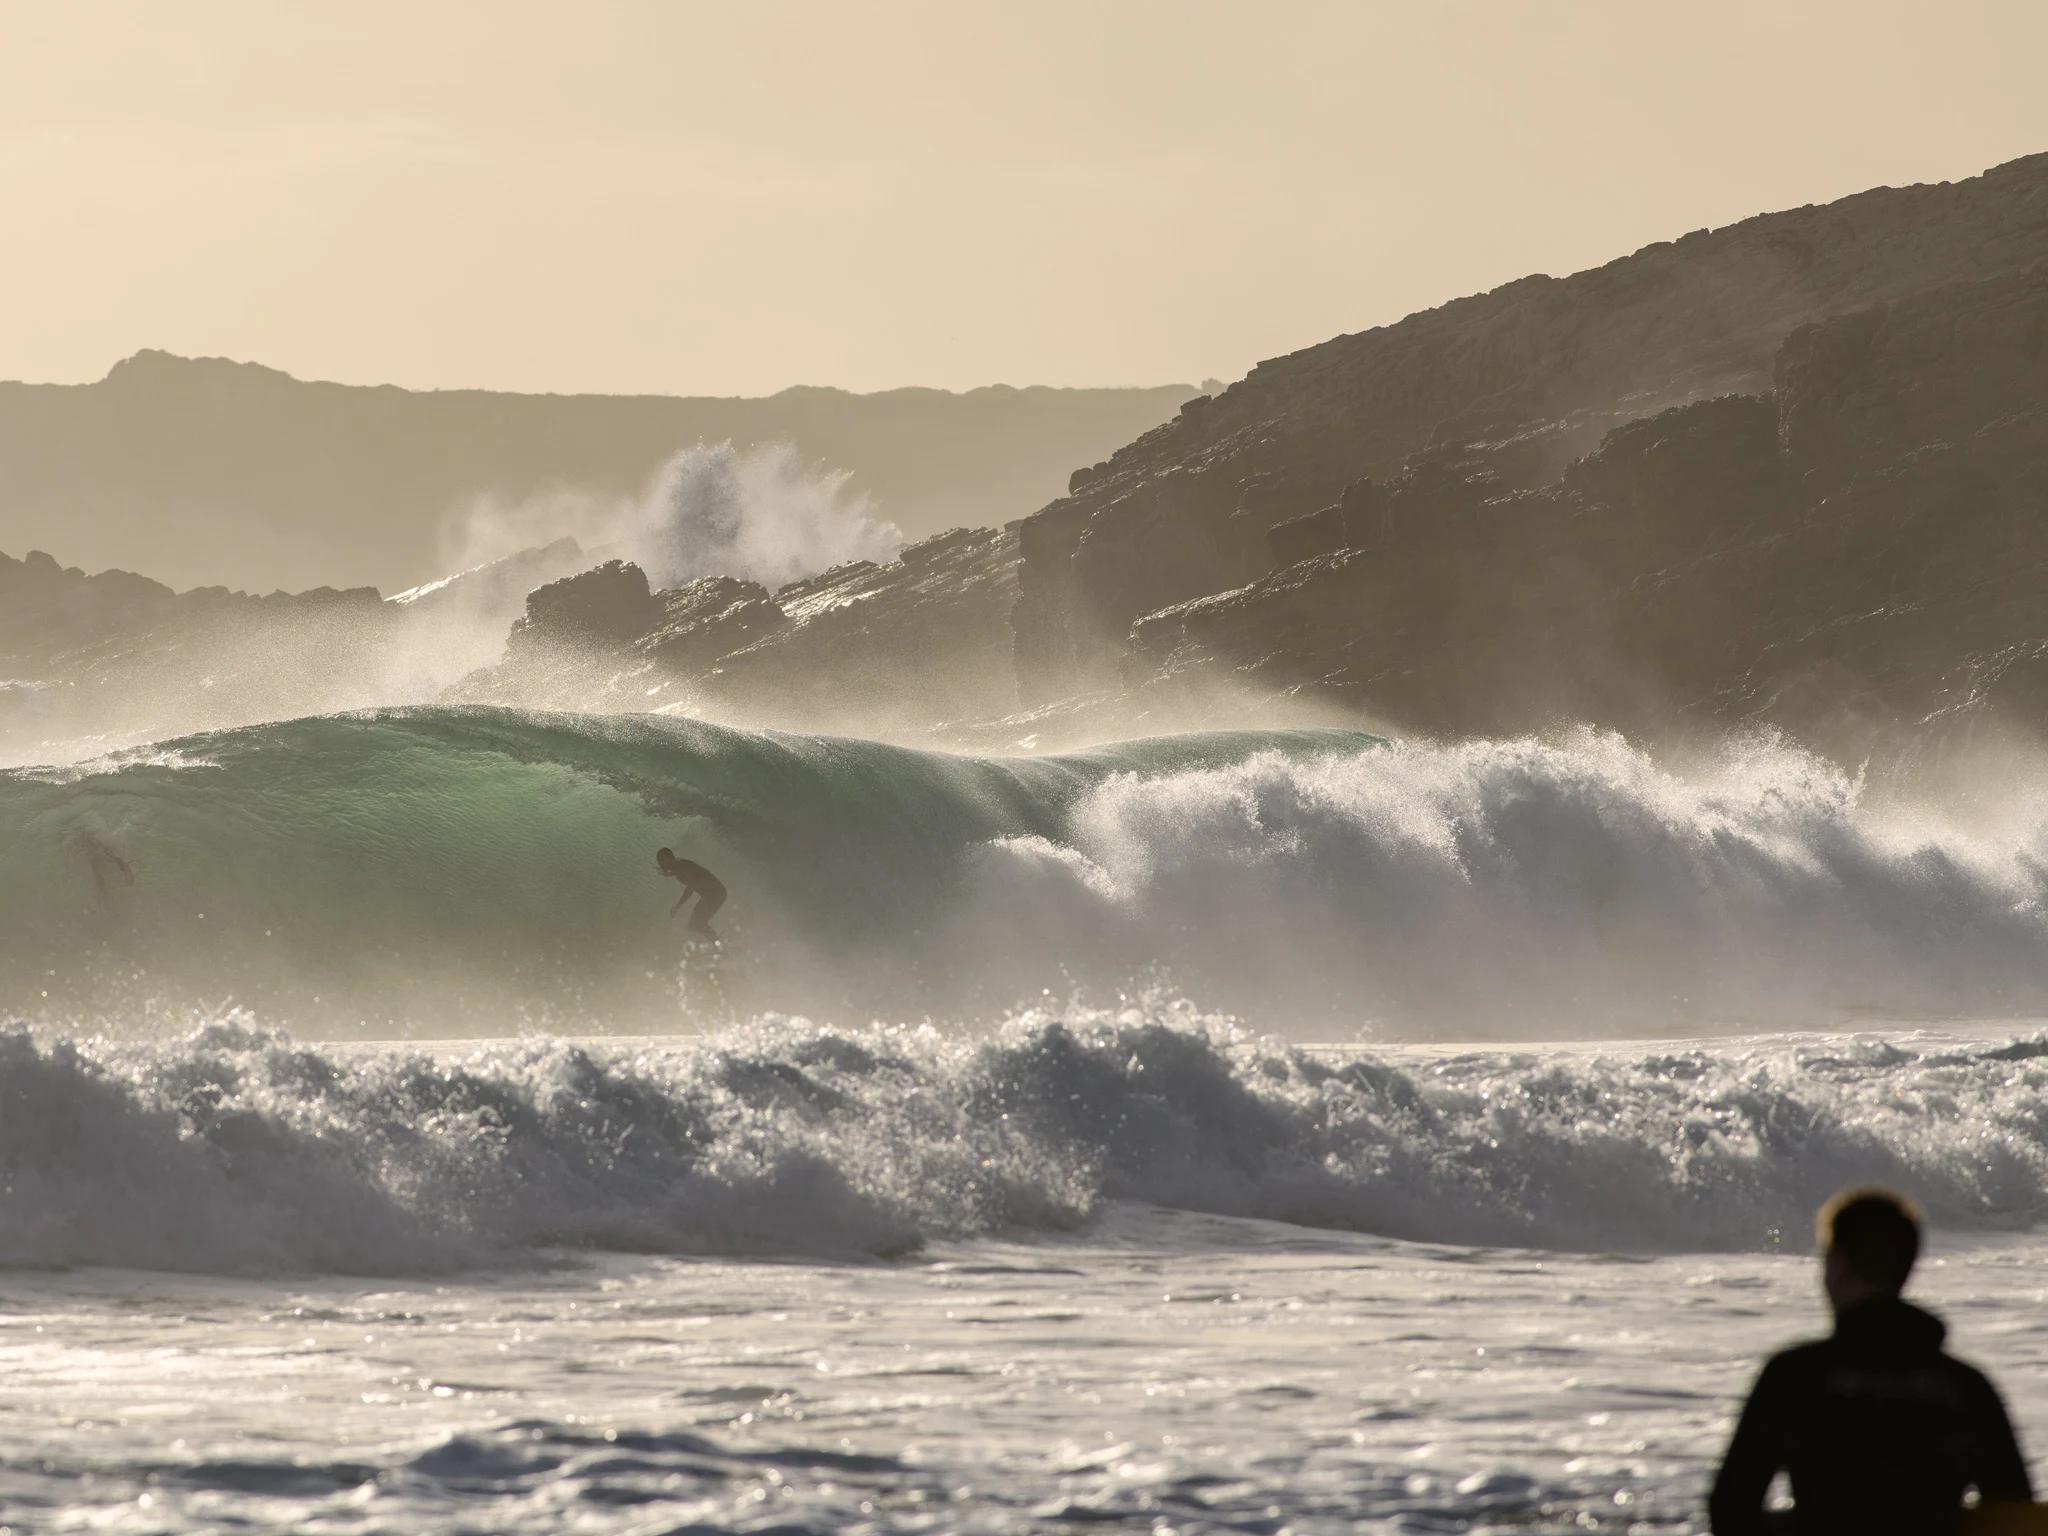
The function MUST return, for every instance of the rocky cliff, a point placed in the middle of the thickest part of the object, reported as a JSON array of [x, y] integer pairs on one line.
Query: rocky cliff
[[88, 663], [897, 649], [1855, 553], [1460, 409], [1790, 474]]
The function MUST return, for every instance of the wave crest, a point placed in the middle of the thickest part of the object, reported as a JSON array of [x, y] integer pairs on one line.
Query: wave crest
[[477, 871]]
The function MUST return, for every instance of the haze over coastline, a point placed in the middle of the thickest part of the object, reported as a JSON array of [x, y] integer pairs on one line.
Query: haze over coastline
[[1294, 951], [206, 472], [653, 199]]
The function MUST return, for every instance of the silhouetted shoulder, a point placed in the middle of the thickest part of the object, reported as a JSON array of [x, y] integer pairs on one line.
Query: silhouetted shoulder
[[1796, 1365]]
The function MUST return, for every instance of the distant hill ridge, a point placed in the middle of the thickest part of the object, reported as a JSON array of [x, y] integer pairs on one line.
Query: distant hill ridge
[[203, 471]]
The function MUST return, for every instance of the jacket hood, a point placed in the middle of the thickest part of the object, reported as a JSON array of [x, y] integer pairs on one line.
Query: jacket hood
[[1889, 1329]]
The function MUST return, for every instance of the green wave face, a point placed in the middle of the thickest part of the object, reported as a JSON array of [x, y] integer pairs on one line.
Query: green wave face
[[478, 871], [484, 872]]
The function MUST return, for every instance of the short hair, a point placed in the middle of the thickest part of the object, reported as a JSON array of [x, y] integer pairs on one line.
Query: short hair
[[662, 855], [1877, 1231]]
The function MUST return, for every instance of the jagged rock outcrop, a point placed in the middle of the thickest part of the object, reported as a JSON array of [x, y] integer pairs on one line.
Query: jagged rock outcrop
[[608, 603], [1862, 548], [707, 620], [890, 649], [92, 661], [1507, 387]]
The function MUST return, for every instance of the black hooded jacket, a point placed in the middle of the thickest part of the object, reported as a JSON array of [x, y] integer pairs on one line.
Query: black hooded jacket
[[1878, 1429]]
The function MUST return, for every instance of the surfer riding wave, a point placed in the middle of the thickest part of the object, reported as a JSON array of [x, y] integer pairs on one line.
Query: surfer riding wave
[[696, 881]]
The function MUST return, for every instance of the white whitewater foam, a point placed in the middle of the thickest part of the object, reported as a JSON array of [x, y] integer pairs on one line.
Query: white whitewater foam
[[238, 1150], [1546, 889]]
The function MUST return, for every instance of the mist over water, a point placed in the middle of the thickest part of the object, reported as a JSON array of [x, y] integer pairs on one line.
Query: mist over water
[[1311, 1029], [762, 514]]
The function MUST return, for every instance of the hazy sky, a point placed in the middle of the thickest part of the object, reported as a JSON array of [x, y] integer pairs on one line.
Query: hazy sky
[[729, 199]]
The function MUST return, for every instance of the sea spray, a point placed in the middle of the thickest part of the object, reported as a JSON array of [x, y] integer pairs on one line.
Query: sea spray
[[762, 515], [239, 1149], [712, 509], [1559, 888]]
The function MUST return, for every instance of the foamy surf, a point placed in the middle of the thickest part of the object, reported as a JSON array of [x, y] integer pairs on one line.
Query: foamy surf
[[237, 1150]]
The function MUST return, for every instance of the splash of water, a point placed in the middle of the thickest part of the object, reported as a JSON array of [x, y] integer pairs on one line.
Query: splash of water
[[761, 515], [712, 509]]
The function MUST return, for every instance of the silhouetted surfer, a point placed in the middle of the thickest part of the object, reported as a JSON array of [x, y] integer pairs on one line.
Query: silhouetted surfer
[[1879, 1430], [698, 882]]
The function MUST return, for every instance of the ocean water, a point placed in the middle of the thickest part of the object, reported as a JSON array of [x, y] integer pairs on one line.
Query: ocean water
[[1254, 1132], [466, 872]]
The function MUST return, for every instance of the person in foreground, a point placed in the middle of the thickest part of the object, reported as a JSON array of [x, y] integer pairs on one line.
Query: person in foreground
[[697, 881], [1879, 1430]]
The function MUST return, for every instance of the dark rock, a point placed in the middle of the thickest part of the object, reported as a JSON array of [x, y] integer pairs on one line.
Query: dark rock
[[608, 604], [709, 619], [897, 648], [1864, 548], [1533, 374], [1311, 534]]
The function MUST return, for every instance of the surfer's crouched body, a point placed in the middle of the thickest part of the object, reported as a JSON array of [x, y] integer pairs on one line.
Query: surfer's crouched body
[[698, 882], [1879, 1431]]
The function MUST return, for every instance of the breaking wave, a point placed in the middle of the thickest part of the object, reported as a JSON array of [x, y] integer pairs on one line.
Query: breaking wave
[[237, 1149], [480, 871]]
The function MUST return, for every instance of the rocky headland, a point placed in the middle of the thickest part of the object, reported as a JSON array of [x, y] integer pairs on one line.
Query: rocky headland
[[899, 649], [1791, 474], [1855, 553], [1537, 371]]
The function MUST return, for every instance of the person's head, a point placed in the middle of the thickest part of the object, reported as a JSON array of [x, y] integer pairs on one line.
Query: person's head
[[1869, 1239], [664, 859]]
